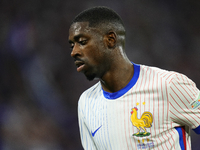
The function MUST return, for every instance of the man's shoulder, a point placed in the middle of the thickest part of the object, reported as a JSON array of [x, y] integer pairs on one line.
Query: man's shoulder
[[158, 72], [165, 76], [161, 76]]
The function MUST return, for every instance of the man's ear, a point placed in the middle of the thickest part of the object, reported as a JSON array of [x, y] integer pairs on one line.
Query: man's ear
[[111, 39]]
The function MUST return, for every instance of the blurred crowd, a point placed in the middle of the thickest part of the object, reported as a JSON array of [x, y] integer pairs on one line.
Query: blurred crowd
[[39, 85]]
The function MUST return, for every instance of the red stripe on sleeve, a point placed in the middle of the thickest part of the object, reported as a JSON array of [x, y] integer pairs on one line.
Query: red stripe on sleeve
[[184, 137]]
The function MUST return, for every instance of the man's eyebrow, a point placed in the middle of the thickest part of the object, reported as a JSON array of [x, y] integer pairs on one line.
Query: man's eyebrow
[[76, 37]]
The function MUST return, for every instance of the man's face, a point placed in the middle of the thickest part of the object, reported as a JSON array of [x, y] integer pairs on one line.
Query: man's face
[[88, 50]]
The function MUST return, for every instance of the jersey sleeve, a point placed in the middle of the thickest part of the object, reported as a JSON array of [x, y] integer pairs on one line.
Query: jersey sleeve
[[184, 101], [86, 137]]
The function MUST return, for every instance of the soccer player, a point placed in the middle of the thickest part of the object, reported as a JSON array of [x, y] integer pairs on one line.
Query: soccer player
[[132, 106]]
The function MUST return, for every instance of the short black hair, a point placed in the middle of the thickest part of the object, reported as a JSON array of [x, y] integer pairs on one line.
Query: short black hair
[[97, 15]]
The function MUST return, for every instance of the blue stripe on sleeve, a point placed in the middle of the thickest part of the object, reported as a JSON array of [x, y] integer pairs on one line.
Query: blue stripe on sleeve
[[197, 130], [179, 130]]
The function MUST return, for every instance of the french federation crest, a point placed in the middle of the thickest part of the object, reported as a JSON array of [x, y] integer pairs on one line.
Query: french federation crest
[[144, 122]]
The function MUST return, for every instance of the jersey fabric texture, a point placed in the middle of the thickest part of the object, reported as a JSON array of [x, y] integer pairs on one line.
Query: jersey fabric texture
[[154, 111]]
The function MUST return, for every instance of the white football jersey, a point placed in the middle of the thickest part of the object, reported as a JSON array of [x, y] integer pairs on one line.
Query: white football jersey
[[154, 111]]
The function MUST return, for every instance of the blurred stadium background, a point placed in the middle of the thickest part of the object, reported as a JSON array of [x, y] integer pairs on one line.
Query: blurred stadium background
[[39, 85]]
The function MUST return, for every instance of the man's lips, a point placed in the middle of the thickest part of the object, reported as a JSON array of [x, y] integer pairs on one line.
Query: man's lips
[[80, 65]]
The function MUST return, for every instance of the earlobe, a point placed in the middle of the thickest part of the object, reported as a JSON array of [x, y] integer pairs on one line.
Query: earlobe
[[111, 39]]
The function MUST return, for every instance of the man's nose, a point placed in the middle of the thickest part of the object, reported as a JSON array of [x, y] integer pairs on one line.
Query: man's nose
[[75, 51]]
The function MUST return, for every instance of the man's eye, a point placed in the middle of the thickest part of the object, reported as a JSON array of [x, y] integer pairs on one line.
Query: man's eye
[[71, 45], [83, 42]]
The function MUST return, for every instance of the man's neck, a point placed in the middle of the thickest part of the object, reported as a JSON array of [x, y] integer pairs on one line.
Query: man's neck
[[118, 77]]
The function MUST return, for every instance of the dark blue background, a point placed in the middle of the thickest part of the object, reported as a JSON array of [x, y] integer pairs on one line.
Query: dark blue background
[[39, 85]]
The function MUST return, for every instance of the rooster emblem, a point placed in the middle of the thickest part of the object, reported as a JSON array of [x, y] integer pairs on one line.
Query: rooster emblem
[[144, 122]]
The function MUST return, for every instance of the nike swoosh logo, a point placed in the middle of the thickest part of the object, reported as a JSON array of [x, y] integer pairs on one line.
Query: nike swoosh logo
[[93, 133]]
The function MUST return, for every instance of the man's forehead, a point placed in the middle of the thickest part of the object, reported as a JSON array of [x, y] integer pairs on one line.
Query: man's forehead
[[79, 26], [82, 28]]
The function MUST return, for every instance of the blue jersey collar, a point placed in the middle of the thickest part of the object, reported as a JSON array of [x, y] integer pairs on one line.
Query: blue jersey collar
[[121, 92]]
